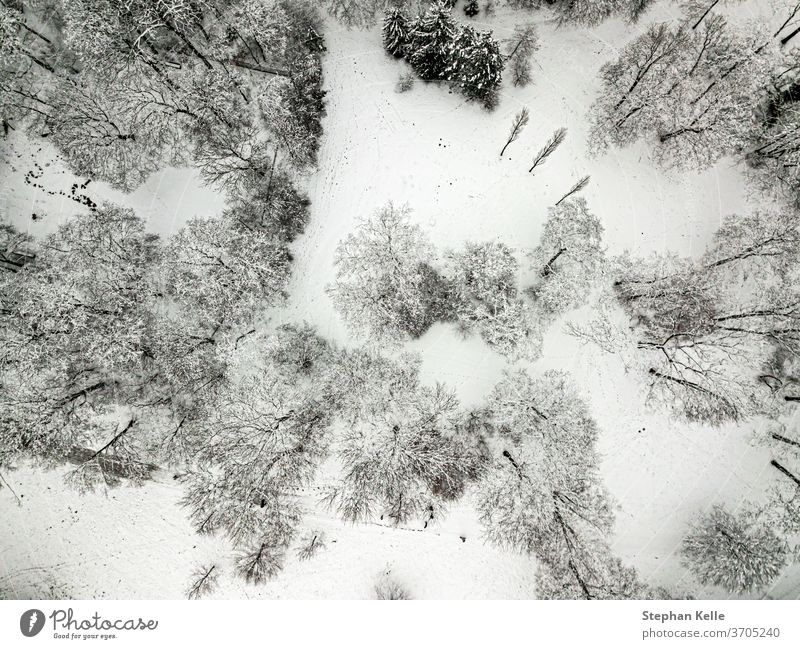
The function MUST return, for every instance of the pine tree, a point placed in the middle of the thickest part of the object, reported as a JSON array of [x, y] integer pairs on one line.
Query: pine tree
[[464, 40], [396, 30], [431, 42], [471, 8], [478, 67]]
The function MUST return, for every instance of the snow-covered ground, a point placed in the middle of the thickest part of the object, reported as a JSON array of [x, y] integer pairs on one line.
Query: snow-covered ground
[[431, 149]]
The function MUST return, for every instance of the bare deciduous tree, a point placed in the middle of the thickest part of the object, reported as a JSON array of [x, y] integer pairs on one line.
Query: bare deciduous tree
[[549, 148], [519, 122], [204, 580]]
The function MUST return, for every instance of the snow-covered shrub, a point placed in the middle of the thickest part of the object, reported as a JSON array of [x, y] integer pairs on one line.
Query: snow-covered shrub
[[405, 82], [388, 587]]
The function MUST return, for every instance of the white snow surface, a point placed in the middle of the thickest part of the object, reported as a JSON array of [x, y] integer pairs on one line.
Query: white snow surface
[[436, 152]]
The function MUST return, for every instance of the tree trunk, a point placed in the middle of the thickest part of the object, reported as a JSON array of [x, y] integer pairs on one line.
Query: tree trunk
[[548, 267], [707, 11], [786, 472], [785, 440], [264, 69], [789, 36]]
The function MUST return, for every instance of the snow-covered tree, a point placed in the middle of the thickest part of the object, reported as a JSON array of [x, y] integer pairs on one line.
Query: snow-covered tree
[[569, 257], [355, 13], [774, 156], [104, 132], [19, 90], [520, 47], [674, 307], [430, 48], [544, 475], [708, 328], [293, 108], [253, 33], [16, 249], [591, 571], [155, 32], [298, 352], [579, 186], [252, 453], [766, 241], [525, 4], [223, 272], [72, 327], [361, 381], [695, 88], [472, 8], [485, 272], [485, 285], [512, 328], [275, 207], [476, 65], [396, 30], [261, 562], [385, 284], [736, 552], [310, 543], [542, 493], [587, 12], [403, 460], [592, 12]]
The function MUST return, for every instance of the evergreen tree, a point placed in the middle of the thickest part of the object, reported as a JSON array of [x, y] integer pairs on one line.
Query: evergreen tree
[[478, 65], [471, 8], [431, 42], [464, 40], [396, 31]]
